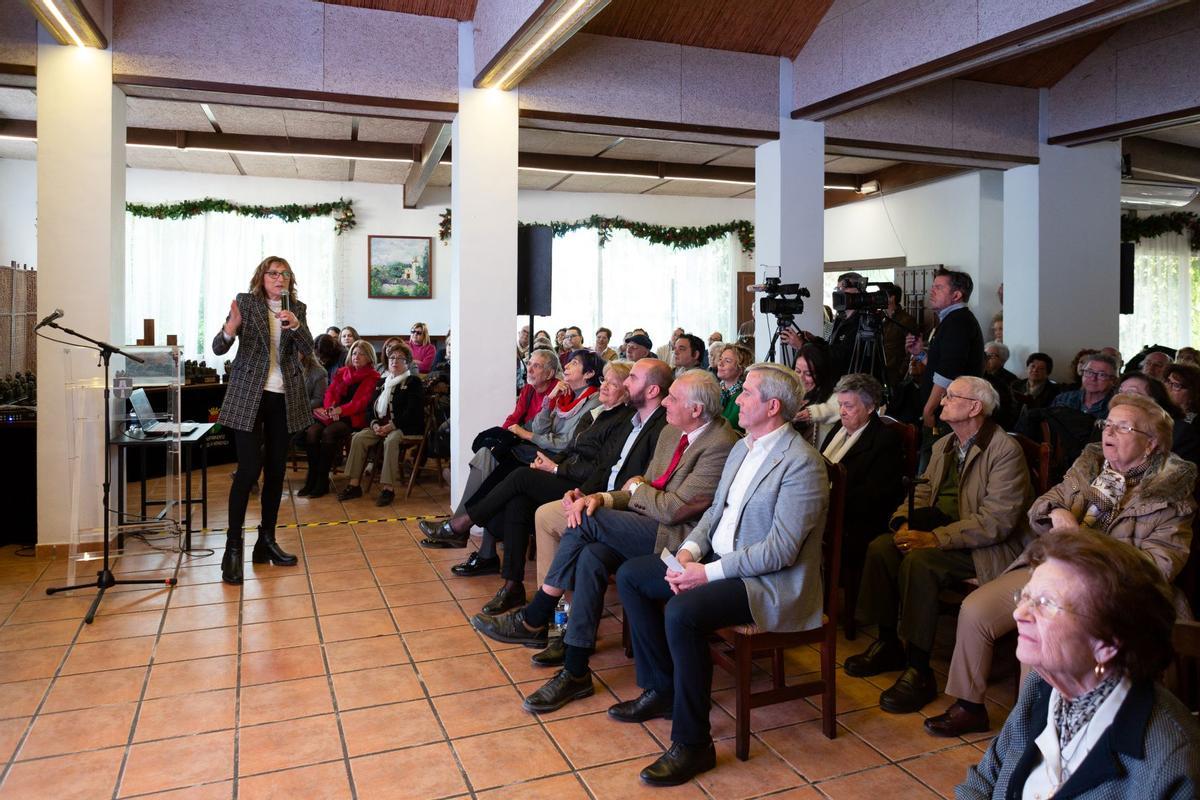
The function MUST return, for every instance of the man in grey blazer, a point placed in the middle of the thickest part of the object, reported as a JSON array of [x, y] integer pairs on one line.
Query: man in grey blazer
[[754, 558]]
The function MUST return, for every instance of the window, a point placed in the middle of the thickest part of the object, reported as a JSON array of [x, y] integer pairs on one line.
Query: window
[[1166, 296], [632, 283], [183, 274]]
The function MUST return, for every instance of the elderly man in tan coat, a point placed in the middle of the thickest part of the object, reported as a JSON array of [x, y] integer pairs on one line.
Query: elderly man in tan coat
[[967, 522]]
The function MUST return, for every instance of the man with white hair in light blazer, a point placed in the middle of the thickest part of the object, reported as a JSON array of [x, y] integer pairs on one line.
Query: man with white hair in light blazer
[[754, 558]]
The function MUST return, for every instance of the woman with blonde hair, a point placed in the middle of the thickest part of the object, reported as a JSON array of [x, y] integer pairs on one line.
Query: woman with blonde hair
[[423, 351], [343, 412]]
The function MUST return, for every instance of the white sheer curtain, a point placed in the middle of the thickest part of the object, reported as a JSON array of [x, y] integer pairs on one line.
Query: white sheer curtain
[[1164, 311], [632, 283], [183, 274]]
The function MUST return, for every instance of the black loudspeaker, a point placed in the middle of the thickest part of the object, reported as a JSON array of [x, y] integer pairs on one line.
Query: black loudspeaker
[[1126, 277], [534, 269]]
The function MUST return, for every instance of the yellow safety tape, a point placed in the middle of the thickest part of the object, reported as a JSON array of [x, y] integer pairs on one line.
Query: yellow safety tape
[[416, 518]]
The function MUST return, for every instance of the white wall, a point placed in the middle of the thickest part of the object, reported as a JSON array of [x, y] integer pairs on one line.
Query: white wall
[[18, 211], [536, 206]]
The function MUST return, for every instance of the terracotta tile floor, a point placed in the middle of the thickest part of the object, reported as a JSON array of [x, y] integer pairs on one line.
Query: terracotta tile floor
[[357, 675]]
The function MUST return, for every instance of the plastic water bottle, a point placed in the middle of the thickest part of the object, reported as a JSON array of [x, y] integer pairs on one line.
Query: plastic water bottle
[[558, 626]]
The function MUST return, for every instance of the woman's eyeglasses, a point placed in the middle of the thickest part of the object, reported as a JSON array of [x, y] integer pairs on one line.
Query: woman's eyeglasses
[[1123, 428], [277, 274], [1040, 604], [1176, 385]]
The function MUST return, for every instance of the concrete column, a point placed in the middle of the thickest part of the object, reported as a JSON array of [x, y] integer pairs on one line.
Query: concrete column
[[1062, 253], [80, 244], [789, 210], [483, 252]]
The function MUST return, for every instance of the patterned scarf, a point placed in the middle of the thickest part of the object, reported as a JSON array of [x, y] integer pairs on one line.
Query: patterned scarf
[[1071, 716], [1103, 497], [567, 406], [730, 392]]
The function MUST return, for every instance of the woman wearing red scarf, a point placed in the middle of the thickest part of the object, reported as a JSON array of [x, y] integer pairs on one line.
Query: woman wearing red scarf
[[553, 429]]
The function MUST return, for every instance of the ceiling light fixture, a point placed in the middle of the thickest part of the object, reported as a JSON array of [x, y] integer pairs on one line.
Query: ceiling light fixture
[[241, 152], [868, 187], [534, 43], [68, 22], [591, 172], [842, 187]]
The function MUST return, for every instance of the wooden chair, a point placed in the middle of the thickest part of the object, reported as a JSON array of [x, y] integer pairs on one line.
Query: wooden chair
[[852, 573], [747, 641], [1037, 458], [410, 444]]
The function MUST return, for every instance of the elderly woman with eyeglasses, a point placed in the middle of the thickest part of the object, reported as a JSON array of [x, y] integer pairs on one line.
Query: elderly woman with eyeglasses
[[1183, 385], [1130, 487], [1094, 625], [423, 351]]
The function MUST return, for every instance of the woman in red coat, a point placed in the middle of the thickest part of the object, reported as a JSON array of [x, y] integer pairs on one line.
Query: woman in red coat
[[344, 412]]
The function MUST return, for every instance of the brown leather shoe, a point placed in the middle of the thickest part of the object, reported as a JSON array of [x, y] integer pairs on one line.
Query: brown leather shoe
[[958, 720]]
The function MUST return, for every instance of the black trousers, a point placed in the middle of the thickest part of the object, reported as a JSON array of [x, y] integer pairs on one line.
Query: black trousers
[[507, 511], [263, 448], [670, 645]]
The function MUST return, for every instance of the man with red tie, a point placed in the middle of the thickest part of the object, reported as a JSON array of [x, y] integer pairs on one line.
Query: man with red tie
[[608, 528]]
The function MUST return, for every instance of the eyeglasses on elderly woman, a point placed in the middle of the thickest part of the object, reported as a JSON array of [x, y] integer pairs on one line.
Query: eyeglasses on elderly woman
[[1122, 428], [1042, 605]]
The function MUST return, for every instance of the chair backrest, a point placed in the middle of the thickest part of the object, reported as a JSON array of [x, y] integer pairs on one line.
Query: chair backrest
[[1186, 639], [831, 542], [908, 439], [1037, 458]]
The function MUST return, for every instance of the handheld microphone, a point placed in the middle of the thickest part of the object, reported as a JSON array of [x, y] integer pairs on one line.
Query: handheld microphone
[[286, 300], [49, 318]]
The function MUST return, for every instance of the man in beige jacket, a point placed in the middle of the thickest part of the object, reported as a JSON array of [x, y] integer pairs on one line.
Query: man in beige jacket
[[967, 522]]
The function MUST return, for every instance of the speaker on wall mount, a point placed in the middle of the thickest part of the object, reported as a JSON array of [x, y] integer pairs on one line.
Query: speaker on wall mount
[[534, 269], [1126, 277]]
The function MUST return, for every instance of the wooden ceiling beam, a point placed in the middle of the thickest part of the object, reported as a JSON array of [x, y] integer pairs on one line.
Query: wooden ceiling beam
[[437, 140], [1156, 160], [892, 179], [271, 145]]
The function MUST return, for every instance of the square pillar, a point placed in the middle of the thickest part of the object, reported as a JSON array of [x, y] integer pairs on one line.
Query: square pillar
[[789, 211], [1062, 231], [80, 245], [483, 252]]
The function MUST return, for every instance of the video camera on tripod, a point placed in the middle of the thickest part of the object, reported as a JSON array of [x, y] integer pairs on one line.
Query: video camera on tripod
[[865, 299], [780, 305]]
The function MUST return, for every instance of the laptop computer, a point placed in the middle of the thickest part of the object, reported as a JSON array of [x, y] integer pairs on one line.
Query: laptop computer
[[146, 417]]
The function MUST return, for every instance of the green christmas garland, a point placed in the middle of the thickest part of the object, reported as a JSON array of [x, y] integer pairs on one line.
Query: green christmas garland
[[342, 211], [681, 238], [1135, 228]]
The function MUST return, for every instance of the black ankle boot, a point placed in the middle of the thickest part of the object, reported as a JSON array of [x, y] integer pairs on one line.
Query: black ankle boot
[[267, 549], [231, 562]]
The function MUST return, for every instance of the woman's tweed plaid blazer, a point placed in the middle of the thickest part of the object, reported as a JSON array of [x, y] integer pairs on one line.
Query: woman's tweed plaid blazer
[[248, 373]]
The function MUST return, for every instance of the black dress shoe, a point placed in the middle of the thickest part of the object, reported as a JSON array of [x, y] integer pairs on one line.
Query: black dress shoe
[[386, 496], [558, 691], [881, 656], [505, 600], [553, 656], [510, 629], [433, 529], [958, 720], [680, 764], [650, 704], [478, 565], [912, 691], [349, 493]]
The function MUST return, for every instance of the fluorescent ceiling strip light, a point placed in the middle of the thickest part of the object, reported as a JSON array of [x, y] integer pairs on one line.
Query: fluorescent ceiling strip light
[[58, 16], [11, 138], [270, 153], [588, 172], [843, 188], [711, 180], [545, 37]]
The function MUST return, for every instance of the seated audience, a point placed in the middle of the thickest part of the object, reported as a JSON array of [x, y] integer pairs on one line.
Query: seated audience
[[334, 331], [1185, 439], [316, 381], [572, 341], [966, 523], [343, 412], [689, 353], [611, 410], [1188, 355], [995, 355], [638, 346], [1077, 365], [559, 335], [348, 336], [1036, 390], [606, 529], [873, 455], [754, 558], [565, 409], [397, 409], [603, 336], [998, 327], [1183, 385], [818, 408], [1099, 377], [1092, 721], [388, 344], [1128, 487], [329, 353], [1155, 363], [423, 351], [1115, 355], [731, 363], [667, 351]]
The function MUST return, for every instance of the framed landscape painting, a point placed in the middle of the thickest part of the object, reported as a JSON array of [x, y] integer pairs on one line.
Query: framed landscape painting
[[400, 267]]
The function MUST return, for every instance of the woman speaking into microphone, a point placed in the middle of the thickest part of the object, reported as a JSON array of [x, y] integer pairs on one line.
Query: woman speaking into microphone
[[265, 402]]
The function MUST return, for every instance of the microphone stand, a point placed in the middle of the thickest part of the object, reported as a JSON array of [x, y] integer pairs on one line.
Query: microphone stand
[[104, 578]]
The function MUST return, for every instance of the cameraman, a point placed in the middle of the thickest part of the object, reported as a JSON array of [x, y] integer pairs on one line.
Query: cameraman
[[955, 346], [895, 335], [840, 334]]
